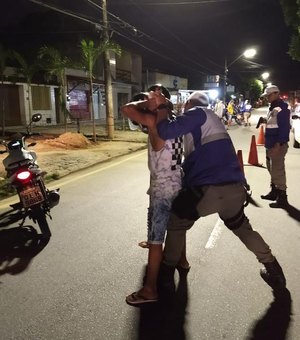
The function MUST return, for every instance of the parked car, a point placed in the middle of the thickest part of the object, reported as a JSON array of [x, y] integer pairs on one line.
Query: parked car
[[295, 123]]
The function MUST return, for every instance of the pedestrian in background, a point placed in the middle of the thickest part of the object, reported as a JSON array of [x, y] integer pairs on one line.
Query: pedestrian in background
[[276, 143], [230, 111], [219, 108], [247, 112]]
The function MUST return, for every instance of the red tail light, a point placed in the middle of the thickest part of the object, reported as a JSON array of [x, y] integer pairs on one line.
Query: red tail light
[[24, 175]]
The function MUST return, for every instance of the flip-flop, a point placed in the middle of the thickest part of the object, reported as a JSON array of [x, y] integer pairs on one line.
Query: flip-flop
[[144, 244], [135, 299]]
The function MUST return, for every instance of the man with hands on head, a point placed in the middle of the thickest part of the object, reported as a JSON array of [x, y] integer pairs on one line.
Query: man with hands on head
[[164, 162]]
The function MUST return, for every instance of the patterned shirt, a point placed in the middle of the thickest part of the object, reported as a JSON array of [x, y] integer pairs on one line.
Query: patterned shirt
[[165, 167]]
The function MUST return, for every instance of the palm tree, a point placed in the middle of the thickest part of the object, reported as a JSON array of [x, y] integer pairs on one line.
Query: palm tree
[[3, 60], [55, 64], [27, 71], [4, 54], [89, 55]]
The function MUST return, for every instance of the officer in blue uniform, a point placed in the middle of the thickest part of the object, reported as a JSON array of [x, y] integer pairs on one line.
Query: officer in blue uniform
[[213, 183]]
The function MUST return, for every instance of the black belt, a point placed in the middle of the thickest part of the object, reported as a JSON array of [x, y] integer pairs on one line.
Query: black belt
[[217, 184]]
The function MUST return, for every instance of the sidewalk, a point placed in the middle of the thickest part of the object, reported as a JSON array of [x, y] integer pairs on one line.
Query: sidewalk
[[121, 131], [61, 159]]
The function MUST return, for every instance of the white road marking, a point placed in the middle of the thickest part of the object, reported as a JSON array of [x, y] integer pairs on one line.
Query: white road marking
[[215, 234]]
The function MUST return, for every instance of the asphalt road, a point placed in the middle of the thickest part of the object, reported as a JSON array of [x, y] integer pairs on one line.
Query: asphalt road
[[75, 287]]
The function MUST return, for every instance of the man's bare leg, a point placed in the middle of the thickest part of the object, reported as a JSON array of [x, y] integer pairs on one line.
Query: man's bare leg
[[149, 290]]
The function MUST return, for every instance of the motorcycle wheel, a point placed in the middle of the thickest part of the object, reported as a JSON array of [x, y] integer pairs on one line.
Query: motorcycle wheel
[[39, 217]]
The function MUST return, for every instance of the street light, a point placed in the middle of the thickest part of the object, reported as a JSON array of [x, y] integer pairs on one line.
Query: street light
[[265, 75], [249, 53]]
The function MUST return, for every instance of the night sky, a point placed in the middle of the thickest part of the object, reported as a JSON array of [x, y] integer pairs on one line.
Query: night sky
[[187, 38]]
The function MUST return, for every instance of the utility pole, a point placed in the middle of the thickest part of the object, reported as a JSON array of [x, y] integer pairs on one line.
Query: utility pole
[[107, 78], [225, 81]]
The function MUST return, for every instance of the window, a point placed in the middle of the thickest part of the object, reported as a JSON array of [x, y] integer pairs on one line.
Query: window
[[40, 98]]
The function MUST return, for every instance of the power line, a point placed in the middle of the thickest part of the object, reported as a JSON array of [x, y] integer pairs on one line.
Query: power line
[[179, 40], [157, 53], [126, 25], [183, 3], [114, 30], [70, 13]]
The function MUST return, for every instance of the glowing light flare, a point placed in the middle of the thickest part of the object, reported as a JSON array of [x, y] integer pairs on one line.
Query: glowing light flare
[[213, 94], [23, 175], [265, 75], [250, 53]]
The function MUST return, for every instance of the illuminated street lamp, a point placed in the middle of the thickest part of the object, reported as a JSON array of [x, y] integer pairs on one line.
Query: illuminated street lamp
[[265, 75], [249, 53]]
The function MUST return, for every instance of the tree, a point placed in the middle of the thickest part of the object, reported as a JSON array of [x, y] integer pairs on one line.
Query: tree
[[4, 54], [3, 59], [255, 89], [27, 71], [90, 54], [291, 11], [55, 64]]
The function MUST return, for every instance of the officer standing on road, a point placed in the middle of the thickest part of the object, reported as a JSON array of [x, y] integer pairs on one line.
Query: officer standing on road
[[276, 143], [213, 183]]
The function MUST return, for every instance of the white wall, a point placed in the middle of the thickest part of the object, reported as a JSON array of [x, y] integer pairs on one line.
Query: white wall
[[167, 80], [25, 96], [119, 88], [50, 114]]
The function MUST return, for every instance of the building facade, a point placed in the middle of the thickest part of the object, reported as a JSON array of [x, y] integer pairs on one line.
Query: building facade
[[19, 100]]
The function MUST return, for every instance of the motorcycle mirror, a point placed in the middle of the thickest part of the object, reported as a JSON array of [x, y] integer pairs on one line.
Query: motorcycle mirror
[[36, 117]]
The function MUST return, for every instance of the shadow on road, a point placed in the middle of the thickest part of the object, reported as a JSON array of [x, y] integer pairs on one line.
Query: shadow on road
[[166, 318], [18, 245], [293, 212], [11, 216], [275, 323]]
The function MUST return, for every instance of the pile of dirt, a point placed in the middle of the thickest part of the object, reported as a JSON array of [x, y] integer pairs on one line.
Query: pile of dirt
[[69, 152], [69, 140]]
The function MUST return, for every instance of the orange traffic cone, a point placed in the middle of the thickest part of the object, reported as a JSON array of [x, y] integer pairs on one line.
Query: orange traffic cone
[[253, 158], [240, 158], [261, 136]]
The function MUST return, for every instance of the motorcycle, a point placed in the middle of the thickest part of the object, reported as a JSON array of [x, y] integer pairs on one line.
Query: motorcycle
[[24, 174]]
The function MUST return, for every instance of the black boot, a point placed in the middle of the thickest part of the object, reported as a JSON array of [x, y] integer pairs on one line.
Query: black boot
[[273, 275], [281, 201], [166, 282], [272, 195]]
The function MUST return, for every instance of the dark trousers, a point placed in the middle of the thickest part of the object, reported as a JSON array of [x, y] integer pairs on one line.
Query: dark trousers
[[227, 201]]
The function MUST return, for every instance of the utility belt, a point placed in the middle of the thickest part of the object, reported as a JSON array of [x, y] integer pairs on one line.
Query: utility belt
[[186, 202]]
